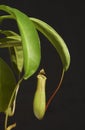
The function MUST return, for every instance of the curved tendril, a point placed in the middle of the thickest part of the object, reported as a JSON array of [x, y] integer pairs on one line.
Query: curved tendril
[[11, 126], [54, 93], [6, 119]]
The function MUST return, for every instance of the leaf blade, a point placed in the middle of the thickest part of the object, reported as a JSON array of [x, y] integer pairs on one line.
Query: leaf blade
[[7, 85], [56, 41], [31, 52]]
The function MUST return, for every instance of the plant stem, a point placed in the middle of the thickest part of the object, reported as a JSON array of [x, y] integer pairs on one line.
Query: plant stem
[[6, 112], [6, 119]]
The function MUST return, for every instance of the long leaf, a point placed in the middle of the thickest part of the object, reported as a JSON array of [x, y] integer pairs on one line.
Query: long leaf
[[30, 40], [56, 40]]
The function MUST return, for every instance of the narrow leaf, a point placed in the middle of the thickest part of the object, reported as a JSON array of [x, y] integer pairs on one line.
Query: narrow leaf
[[10, 39], [8, 33], [16, 52], [55, 39]]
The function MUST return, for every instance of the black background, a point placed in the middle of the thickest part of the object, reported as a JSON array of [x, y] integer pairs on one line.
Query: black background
[[67, 111]]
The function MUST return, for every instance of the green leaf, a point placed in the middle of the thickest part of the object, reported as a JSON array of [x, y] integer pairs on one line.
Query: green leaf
[[30, 40], [56, 41], [8, 33], [16, 56], [10, 39], [9, 42], [7, 85], [16, 52]]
